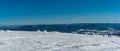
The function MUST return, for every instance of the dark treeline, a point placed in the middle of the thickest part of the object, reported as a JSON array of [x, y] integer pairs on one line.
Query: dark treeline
[[62, 27]]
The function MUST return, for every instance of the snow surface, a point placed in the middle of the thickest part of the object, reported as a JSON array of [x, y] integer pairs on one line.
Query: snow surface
[[55, 41]]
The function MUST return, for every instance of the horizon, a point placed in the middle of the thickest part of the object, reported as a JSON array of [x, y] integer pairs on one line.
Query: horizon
[[23, 12], [55, 24]]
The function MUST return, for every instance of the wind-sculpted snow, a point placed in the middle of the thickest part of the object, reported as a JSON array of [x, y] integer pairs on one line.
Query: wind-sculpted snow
[[55, 41]]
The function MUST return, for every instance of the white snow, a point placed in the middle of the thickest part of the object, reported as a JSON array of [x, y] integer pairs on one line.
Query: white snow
[[52, 41]]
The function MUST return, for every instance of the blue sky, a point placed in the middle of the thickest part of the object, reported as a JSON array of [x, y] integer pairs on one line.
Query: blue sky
[[59, 11]]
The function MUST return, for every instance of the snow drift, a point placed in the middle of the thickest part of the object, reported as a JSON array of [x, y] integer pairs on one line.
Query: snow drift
[[55, 41]]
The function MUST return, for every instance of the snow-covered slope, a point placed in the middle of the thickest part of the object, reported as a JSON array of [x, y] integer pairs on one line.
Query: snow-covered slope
[[53, 41]]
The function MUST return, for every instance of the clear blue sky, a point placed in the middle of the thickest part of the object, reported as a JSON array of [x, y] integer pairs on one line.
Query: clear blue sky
[[59, 11]]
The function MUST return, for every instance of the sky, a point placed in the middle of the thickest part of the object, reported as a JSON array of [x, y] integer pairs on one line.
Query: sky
[[59, 11]]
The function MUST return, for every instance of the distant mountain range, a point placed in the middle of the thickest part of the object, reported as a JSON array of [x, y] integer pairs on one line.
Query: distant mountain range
[[62, 27]]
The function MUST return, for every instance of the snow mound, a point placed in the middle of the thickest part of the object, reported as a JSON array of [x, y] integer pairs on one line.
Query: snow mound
[[52, 41]]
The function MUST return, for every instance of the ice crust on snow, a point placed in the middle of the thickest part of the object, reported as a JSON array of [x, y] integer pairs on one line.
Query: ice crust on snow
[[52, 41]]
